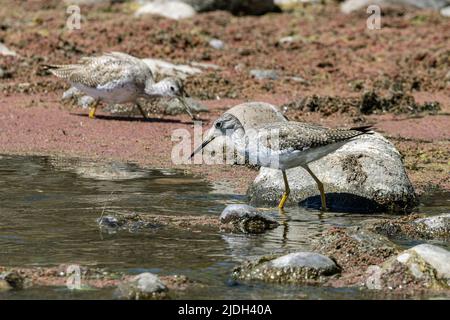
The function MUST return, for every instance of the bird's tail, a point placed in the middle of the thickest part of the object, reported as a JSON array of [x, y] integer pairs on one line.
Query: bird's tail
[[62, 71], [347, 134], [364, 129]]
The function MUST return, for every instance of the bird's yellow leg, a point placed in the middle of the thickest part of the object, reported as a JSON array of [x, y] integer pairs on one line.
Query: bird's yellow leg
[[92, 110], [320, 187], [287, 191]]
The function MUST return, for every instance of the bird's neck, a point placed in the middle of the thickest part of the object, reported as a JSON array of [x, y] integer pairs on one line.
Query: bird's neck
[[239, 139], [156, 90]]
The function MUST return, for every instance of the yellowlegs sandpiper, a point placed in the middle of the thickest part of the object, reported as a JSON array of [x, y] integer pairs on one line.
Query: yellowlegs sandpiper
[[283, 145], [117, 77]]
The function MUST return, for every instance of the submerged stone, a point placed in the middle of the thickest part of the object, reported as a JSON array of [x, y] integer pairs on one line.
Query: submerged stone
[[297, 267], [4, 286], [145, 286], [412, 227], [131, 222], [247, 219], [11, 279]]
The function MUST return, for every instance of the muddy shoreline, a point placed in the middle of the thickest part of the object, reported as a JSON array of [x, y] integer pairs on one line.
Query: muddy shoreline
[[58, 130]]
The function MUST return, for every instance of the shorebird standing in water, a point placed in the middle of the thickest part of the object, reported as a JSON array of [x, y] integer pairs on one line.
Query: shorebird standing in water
[[283, 145], [118, 78]]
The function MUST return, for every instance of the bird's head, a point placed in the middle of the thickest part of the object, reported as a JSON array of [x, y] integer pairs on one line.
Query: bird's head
[[173, 87], [170, 88], [225, 125]]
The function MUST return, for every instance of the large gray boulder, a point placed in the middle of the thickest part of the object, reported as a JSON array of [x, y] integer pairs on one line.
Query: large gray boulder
[[365, 175]]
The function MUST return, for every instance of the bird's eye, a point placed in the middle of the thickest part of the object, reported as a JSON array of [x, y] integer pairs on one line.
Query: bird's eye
[[218, 125], [172, 88]]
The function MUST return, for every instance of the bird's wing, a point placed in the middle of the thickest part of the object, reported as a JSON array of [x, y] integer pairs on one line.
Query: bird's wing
[[99, 71], [302, 136]]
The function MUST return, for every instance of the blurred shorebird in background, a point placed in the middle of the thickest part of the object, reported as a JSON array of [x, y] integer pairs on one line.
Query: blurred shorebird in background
[[118, 78], [283, 145]]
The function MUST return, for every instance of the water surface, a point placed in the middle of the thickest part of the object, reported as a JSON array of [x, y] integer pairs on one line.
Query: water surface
[[48, 216]]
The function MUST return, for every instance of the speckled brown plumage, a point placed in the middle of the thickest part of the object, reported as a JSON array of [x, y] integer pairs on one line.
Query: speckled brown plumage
[[302, 136], [98, 71]]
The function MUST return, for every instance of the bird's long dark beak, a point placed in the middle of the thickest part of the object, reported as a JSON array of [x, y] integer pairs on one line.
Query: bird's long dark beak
[[204, 144], [184, 93], [182, 99]]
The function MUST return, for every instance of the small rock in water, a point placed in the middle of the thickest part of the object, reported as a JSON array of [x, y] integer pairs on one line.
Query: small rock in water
[[13, 279], [297, 267], [109, 221], [247, 219], [131, 222], [216, 44], [423, 266], [175, 107], [4, 286], [145, 286], [264, 74]]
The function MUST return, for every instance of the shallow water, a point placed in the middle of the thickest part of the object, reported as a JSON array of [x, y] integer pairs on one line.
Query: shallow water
[[49, 210]]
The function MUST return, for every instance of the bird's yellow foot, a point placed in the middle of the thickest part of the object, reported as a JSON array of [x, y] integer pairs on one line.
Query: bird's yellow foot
[[92, 112]]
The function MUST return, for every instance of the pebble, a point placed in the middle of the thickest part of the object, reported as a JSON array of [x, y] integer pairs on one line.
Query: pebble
[[5, 51], [216, 44], [264, 74]]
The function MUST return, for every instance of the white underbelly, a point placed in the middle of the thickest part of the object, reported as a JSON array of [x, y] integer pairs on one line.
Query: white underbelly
[[123, 93], [287, 159], [302, 158]]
